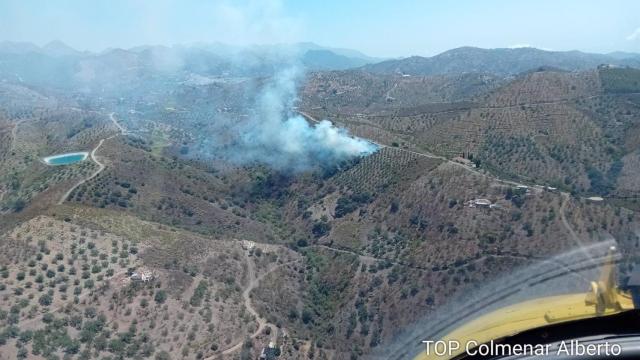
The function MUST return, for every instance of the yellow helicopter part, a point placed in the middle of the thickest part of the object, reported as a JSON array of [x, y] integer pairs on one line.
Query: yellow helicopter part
[[603, 299]]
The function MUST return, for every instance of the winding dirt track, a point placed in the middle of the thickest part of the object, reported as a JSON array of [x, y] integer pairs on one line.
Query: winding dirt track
[[123, 131], [563, 218], [246, 295], [64, 197], [101, 166], [14, 132]]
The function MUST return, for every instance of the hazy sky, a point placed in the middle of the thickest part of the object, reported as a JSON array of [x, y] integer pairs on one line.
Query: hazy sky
[[379, 28]]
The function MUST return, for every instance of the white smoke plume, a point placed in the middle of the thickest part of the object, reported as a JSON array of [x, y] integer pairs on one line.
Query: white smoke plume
[[263, 128], [277, 137]]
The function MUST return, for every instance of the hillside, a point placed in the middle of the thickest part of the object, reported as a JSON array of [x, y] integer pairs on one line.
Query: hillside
[[360, 92], [497, 61], [557, 128]]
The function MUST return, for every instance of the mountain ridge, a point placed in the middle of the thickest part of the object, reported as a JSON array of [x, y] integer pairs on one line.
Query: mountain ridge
[[499, 61]]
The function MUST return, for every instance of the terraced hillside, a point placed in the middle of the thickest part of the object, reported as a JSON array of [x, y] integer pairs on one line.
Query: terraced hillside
[[380, 251], [565, 129], [384, 169], [358, 92], [87, 281], [38, 126], [176, 193]]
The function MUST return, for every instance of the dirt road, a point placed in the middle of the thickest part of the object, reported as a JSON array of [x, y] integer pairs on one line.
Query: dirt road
[[14, 133], [254, 282], [123, 131], [563, 218], [101, 166]]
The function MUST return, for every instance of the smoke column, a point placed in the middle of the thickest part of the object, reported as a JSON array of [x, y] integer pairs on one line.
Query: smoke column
[[285, 141]]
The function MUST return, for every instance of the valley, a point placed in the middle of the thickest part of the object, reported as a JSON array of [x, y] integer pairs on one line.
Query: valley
[[182, 237]]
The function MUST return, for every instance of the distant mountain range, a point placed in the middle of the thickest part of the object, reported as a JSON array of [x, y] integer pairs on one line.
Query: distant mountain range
[[313, 56], [57, 64], [500, 61]]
